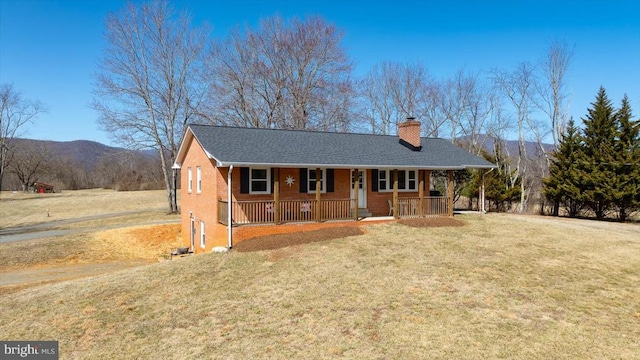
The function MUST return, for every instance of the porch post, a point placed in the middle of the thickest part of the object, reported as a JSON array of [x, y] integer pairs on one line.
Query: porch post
[[427, 185], [395, 194], [229, 208], [318, 188], [481, 197], [421, 193], [450, 191], [356, 186], [276, 196]]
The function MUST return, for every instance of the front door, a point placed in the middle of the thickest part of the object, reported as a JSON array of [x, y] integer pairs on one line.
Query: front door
[[362, 190]]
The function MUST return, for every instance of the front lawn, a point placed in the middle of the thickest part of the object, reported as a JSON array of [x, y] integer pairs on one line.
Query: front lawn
[[501, 286]]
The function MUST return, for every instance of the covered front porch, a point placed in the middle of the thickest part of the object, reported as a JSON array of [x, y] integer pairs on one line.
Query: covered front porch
[[420, 202]]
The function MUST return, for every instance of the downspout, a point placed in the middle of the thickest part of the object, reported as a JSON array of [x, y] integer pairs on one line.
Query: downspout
[[229, 187], [482, 209]]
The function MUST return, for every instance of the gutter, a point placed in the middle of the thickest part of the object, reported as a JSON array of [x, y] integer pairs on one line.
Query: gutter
[[229, 224], [352, 166]]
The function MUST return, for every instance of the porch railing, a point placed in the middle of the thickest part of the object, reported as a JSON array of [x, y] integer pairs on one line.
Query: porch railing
[[263, 212], [252, 212], [336, 209], [431, 206]]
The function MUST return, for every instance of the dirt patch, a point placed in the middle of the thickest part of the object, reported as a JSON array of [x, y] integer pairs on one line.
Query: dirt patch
[[34, 262], [156, 236], [243, 233], [148, 242], [431, 222], [277, 241], [303, 234]]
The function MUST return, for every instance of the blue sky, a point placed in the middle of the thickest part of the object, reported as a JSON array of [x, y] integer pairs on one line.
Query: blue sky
[[48, 49]]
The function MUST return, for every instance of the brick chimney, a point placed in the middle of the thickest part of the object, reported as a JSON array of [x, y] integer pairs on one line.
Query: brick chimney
[[409, 134]]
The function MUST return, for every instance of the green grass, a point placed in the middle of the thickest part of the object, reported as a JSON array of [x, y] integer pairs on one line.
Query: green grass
[[511, 287]]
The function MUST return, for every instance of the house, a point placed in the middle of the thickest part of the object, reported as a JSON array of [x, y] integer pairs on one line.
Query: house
[[40, 187], [238, 176]]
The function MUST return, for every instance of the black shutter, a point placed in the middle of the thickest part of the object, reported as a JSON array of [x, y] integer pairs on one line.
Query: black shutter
[[330, 176], [374, 180], [273, 178], [244, 180], [303, 180]]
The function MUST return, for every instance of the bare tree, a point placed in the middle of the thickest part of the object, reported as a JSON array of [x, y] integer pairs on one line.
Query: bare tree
[[15, 113], [552, 90], [518, 86], [391, 92], [453, 102], [247, 89], [477, 115], [148, 84], [291, 75], [379, 102], [69, 173], [30, 163], [128, 170]]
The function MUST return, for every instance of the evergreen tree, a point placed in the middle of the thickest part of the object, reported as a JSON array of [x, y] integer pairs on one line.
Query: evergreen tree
[[501, 188], [627, 182], [598, 169], [564, 181]]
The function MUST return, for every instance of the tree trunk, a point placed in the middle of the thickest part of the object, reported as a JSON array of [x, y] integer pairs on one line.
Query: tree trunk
[[168, 183]]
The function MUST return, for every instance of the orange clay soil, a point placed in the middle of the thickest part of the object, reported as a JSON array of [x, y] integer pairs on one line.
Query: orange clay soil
[[263, 238]]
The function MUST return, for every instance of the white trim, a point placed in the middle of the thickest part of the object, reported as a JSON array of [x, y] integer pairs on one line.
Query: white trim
[[203, 239], [189, 180], [182, 151], [389, 180], [268, 180], [192, 230], [323, 181], [198, 179], [348, 166], [362, 196]]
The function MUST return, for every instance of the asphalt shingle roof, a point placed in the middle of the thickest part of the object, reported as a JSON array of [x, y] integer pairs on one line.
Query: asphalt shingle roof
[[290, 148]]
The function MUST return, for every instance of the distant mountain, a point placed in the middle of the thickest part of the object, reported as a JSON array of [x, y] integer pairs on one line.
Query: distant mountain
[[87, 153], [84, 152]]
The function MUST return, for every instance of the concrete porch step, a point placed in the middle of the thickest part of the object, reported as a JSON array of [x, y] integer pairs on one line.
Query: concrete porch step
[[363, 212]]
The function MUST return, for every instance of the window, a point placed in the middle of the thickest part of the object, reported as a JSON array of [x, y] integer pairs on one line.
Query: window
[[190, 179], [199, 179], [202, 236], [382, 180], [411, 180], [260, 181], [311, 181], [407, 180]]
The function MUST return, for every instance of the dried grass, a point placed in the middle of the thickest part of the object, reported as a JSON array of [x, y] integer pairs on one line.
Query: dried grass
[[20, 209], [142, 243], [499, 287]]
